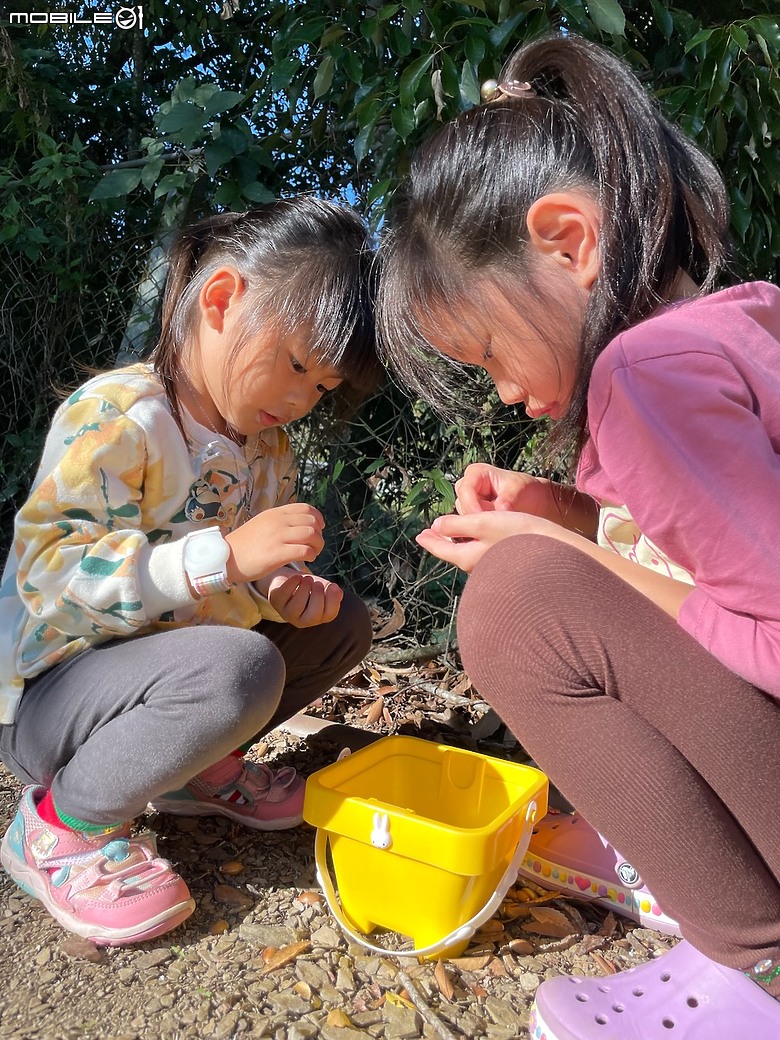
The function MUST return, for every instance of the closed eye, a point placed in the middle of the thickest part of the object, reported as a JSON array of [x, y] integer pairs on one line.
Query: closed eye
[[487, 354]]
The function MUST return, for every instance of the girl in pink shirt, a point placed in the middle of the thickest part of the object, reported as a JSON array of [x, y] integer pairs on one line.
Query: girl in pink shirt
[[568, 240]]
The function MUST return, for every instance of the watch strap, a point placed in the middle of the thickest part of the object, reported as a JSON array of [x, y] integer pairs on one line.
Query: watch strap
[[208, 584]]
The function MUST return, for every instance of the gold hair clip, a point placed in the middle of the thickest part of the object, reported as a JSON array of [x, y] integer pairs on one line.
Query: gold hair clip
[[491, 89]]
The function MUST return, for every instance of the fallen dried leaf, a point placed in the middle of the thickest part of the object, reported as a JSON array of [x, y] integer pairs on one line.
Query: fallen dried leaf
[[339, 1019], [570, 910], [496, 967], [608, 925], [472, 963], [490, 931], [399, 1000], [514, 911], [233, 896], [606, 966], [443, 981], [79, 949], [523, 947], [396, 622], [547, 921], [374, 713], [285, 955]]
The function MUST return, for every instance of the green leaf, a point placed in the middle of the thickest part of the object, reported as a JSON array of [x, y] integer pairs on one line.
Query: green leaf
[[386, 12], [170, 183], [504, 30], [701, 37], [335, 32], [257, 192], [151, 172], [403, 121], [740, 37], [608, 16], [475, 50], [324, 77], [376, 192], [217, 154], [115, 184], [663, 19], [221, 101], [469, 84], [185, 120], [410, 78]]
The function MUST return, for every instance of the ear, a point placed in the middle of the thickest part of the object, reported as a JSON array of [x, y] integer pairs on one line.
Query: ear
[[564, 226], [223, 290]]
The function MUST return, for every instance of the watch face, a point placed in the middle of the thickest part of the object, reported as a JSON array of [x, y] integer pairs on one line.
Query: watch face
[[207, 552]]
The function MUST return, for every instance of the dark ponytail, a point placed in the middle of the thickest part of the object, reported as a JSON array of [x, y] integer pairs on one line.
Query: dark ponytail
[[587, 123]]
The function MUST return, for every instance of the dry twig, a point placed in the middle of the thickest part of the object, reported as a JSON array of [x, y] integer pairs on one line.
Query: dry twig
[[427, 1013]]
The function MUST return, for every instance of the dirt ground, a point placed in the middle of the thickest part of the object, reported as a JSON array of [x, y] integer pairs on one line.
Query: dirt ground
[[262, 956]]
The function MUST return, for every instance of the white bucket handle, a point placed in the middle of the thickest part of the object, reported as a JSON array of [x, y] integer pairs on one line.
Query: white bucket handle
[[462, 933]]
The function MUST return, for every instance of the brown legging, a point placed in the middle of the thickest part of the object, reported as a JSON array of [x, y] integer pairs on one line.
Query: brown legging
[[672, 757]]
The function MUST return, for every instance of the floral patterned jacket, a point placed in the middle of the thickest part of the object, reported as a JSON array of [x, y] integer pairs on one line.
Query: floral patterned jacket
[[97, 551]]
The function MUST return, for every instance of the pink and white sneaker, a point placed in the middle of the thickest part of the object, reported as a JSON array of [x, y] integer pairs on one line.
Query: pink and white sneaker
[[109, 887], [567, 854], [249, 792]]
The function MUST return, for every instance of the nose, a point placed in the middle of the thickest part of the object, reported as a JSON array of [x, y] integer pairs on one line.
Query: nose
[[509, 392], [301, 399]]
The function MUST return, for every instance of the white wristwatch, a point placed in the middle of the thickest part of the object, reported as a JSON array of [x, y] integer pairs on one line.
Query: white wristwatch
[[205, 554]]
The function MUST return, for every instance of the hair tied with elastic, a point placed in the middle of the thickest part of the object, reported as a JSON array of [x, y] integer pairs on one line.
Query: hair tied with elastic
[[492, 90]]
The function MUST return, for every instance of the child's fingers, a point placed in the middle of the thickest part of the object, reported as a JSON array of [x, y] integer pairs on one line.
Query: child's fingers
[[461, 554], [333, 598], [453, 525]]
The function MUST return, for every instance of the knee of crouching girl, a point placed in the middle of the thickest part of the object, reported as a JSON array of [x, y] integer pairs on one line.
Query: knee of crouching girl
[[500, 606]]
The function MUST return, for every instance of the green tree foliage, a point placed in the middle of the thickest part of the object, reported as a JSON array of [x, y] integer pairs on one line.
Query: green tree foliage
[[111, 137]]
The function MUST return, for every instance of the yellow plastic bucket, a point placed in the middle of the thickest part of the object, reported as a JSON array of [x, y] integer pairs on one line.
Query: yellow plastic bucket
[[425, 838]]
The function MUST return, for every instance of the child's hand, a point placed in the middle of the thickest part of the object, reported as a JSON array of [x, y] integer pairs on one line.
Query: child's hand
[[303, 600], [486, 488], [272, 539], [476, 532]]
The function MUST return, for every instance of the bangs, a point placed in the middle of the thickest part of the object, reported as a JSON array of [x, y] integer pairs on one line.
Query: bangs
[[332, 304], [417, 286]]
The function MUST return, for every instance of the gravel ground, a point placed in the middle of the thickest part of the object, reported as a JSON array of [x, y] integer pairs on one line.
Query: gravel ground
[[262, 957]]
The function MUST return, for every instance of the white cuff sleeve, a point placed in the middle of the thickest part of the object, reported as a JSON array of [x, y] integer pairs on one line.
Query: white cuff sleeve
[[162, 579]]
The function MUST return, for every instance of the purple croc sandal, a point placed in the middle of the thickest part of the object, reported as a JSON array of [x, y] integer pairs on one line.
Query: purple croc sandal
[[682, 995], [567, 854]]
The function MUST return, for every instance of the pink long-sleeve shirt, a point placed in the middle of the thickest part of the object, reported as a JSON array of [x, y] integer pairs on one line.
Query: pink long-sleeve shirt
[[684, 424]]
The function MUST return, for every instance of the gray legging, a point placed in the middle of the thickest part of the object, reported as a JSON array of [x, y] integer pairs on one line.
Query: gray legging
[[669, 754], [126, 721]]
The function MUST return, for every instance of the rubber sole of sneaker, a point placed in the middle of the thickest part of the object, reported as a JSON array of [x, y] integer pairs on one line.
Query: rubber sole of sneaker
[[193, 808], [637, 904], [30, 881]]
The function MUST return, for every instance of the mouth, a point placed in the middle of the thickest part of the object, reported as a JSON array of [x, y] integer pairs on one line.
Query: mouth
[[551, 411], [267, 419]]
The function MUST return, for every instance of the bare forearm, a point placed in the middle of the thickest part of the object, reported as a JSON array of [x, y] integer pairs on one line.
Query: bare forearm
[[665, 592], [573, 510]]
